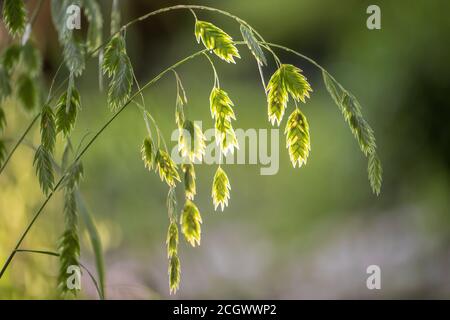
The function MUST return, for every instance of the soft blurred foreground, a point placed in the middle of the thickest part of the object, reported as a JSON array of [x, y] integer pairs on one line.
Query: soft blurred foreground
[[300, 234]]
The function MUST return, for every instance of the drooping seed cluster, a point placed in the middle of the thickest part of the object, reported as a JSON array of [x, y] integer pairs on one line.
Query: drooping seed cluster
[[23, 62]]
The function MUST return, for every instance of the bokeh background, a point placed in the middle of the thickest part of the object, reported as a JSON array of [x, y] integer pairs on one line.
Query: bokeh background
[[303, 233]]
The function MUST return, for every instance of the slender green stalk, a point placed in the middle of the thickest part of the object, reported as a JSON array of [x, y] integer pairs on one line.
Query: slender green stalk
[[24, 134], [153, 13], [56, 254], [313, 62], [91, 141], [30, 125], [139, 91]]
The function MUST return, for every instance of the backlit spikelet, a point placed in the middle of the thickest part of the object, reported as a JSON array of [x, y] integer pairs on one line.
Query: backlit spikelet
[[217, 40], [222, 111], [117, 66], [253, 45], [48, 128], [189, 180], [172, 239], [167, 169], [351, 110], [191, 141], [220, 189], [69, 244], [190, 222], [174, 274], [286, 80], [148, 153], [66, 112], [296, 83], [277, 97], [179, 111], [44, 168], [297, 138]]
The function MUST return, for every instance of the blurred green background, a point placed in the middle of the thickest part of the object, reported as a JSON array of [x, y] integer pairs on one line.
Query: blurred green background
[[302, 233]]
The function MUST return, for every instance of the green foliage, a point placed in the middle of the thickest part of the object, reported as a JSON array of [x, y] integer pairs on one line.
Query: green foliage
[[360, 128], [44, 169], [191, 141], [179, 112], [172, 239], [112, 54], [74, 55], [295, 82], [5, 88], [351, 110], [297, 138], [189, 180], [69, 252], [14, 16], [95, 19], [11, 57], [161, 161], [180, 102], [148, 153], [253, 45], [31, 59], [216, 40], [190, 221], [375, 173], [59, 17], [333, 88], [23, 62], [174, 274], [74, 175], [117, 66], [220, 189], [48, 128], [277, 97], [66, 111], [69, 244], [286, 80], [222, 111], [27, 92], [74, 49], [167, 169], [172, 204], [95, 239]]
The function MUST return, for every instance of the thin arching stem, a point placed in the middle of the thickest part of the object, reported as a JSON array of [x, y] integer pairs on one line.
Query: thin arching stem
[[31, 124], [83, 151], [56, 254], [156, 12], [24, 134], [154, 80], [147, 124], [313, 62], [216, 77]]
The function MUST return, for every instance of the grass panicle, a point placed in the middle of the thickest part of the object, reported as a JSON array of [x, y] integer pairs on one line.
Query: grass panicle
[[190, 221], [220, 189]]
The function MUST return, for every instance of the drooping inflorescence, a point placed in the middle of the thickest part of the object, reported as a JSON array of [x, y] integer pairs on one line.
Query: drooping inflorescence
[[22, 62]]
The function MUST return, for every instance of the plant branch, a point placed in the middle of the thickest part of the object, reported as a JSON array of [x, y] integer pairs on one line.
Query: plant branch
[[144, 17], [56, 254], [83, 151], [24, 134]]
